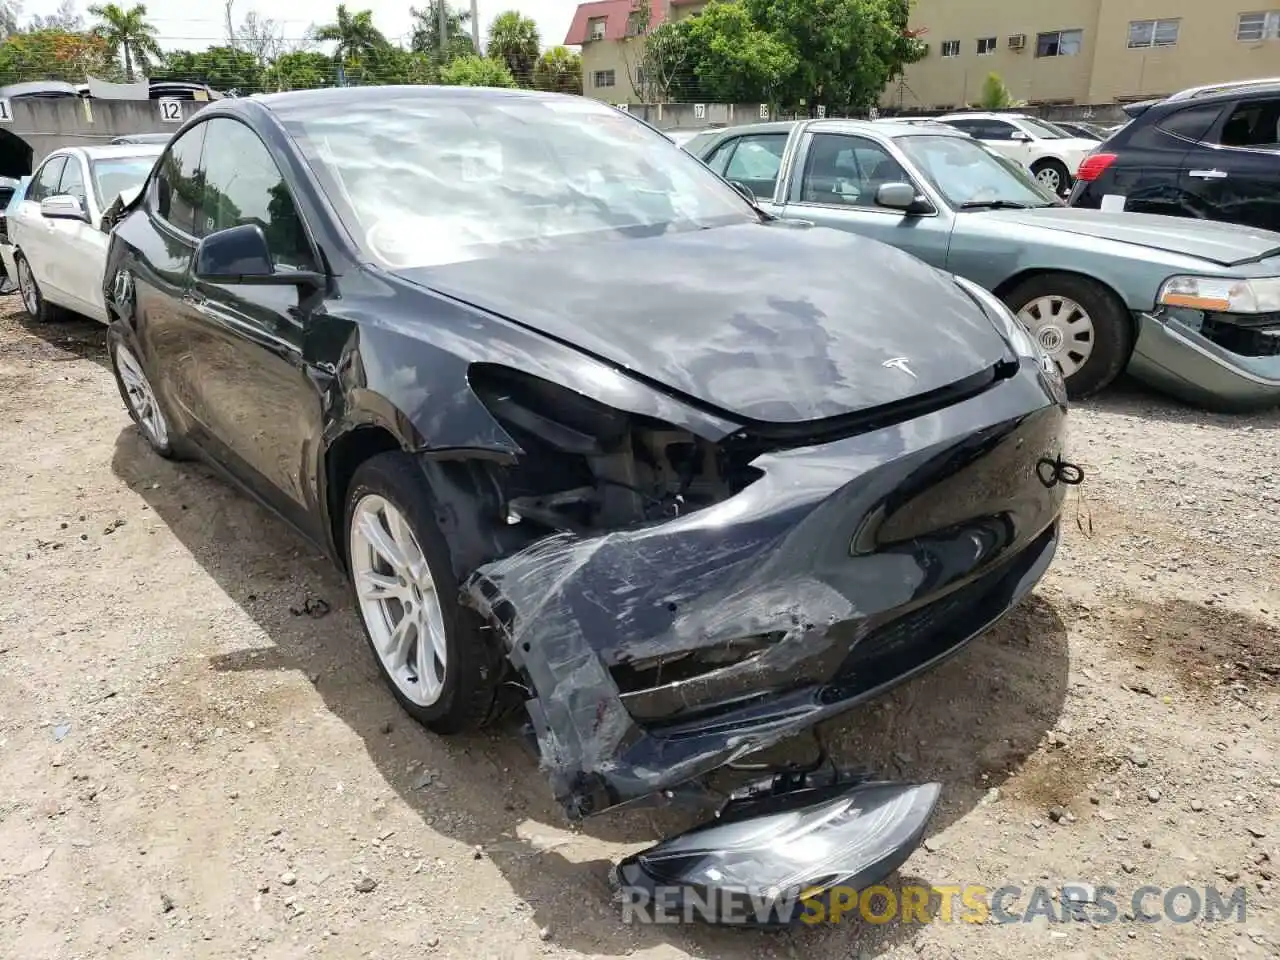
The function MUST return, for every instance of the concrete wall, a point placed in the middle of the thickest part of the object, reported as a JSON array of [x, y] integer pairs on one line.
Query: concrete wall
[[45, 124]]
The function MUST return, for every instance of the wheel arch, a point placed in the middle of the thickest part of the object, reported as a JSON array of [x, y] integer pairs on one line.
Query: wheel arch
[[342, 458]]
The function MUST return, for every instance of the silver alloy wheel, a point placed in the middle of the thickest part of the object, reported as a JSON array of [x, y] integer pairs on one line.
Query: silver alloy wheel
[[1049, 177], [1063, 328], [398, 600], [140, 397], [27, 287]]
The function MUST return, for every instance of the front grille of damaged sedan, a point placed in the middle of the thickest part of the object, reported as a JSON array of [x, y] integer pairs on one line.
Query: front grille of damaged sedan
[[1246, 335]]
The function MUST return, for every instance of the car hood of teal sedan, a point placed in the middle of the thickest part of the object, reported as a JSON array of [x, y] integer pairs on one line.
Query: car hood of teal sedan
[[1222, 244]]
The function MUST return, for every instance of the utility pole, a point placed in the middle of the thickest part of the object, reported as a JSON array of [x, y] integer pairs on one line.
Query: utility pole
[[231, 33], [442, 27], [475, 25]]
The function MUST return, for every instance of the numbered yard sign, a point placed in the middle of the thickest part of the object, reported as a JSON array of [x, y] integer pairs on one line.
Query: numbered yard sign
[[699, 111], [170, 110], [764, 111], [6, 113], [822, 111], [624, 107]]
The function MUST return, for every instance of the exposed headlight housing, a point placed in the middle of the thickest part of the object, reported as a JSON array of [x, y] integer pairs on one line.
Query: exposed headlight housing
[[1016, 335], [1222, 294]]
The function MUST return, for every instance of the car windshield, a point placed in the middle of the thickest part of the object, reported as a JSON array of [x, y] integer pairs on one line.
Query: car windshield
[[1044, 131], [424, 181], [968, 175], [115, 175]]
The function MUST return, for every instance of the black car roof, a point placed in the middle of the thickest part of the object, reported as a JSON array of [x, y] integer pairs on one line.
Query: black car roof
[[282, 104]]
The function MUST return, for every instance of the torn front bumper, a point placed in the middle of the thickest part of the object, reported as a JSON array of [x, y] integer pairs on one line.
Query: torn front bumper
[[656, 654], [1172, 355]]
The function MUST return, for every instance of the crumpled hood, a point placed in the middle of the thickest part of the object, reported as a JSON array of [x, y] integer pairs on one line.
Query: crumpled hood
[[766, 322], [1222, 244]]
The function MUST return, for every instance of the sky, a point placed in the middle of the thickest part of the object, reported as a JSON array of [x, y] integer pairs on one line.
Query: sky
[[180, 27]]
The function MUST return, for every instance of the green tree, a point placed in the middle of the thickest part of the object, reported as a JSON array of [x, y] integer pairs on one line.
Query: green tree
[[995, 95], [53, 55], [559, 70], [223, 68], [514, 40], [474, 71], [300, 70], [663, 65], [355, 36], [129, 33], [846, 50], [426, 31], [734, 60]]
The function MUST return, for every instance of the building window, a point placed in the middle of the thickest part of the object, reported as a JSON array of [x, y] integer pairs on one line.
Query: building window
[[986, 46], [1153, 33], [603, 78], [596, 27], [1059, 43], [639, 76], [636, 25], [951, 48], [1252, 27]]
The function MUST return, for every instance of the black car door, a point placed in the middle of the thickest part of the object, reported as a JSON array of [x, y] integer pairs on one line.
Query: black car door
[[259, 409], [1233, 173], [161, 246]]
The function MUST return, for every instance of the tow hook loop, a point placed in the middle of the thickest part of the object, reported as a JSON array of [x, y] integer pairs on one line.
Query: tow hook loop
[[1055, 471]]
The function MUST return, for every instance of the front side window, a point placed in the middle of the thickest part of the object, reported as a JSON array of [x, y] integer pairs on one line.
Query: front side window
[[1059, 43], [71, 183], [1261, 25], [848, 170], [424, 181], [964, 171], [242, 184], [1153, 33], [45, 183], [175, 196]]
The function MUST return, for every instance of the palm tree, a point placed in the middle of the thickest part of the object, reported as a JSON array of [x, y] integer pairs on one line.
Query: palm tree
[[559, 70], [355, 35], [514, 39], [127, 31]]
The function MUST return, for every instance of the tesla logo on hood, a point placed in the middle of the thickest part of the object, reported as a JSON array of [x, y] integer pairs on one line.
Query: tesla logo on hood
[[899, 363]]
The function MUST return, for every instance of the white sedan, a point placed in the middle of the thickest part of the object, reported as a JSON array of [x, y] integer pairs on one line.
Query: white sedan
[[59, 244], [1050, 154]]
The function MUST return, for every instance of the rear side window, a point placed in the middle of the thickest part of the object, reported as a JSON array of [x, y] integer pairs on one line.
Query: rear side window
[[1191, 123], [45, 183], [1255, 123], [176, 188]]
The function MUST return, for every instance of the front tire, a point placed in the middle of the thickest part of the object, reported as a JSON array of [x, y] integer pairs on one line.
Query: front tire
[[33, 301], [1053, 176], [1080, 323], [140, 399], [438, 664]]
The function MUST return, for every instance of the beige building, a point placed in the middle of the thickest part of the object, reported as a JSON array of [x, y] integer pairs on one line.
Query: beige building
[[612, 39], [1084, 51]]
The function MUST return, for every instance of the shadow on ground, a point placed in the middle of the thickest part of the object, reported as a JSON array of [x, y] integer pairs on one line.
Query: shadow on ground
[[970, 724], [1129, 397], [70, 337]]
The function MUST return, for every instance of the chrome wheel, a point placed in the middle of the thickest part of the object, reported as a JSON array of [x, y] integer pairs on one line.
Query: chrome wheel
[[398, 600], [1063, 328], [1049, 177], [141, 398], [27, 287]]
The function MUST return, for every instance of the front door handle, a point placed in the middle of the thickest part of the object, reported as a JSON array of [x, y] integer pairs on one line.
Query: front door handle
[[1208, 174]]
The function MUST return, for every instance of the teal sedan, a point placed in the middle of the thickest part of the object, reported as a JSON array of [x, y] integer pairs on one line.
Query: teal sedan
[[1190, 307]]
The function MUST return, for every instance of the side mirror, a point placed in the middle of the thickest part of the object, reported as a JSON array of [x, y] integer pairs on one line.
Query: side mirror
[[743, 189], [1019, 137], [902, 196], [240, 255], [63, 207]]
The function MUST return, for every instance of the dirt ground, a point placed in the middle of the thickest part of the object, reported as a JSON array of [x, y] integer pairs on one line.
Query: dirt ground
[[196, 761]]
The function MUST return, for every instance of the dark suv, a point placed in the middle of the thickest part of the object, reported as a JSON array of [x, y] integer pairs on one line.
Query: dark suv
[[1208, 152]]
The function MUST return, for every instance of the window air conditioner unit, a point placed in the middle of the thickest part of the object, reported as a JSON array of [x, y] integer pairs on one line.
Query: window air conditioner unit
[[1017, 41]]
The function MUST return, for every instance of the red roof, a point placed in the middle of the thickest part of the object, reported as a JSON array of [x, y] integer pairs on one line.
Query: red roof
[[616, 14]]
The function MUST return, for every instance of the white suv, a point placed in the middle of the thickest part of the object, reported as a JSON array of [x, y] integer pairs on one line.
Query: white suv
[[1051, 154]]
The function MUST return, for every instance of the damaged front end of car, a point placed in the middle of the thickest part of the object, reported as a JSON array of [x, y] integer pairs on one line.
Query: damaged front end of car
[[677, 599]]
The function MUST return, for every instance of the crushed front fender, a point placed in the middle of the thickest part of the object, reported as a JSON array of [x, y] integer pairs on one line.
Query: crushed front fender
[[656, 654]]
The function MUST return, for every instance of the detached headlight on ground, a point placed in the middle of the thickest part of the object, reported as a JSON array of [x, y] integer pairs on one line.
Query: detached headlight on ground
[[1222, 294]]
